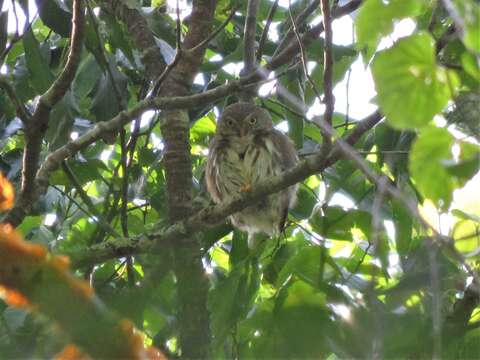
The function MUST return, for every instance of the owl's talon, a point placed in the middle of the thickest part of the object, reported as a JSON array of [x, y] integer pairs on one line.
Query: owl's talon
[[245, 188]]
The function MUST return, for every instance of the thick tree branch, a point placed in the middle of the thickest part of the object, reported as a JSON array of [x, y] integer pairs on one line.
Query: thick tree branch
[[54, 160], [60, 86], [217, 31], [140, 32], [250, 31], [249, 45], [212, 215], [192, 284], [37, 126]]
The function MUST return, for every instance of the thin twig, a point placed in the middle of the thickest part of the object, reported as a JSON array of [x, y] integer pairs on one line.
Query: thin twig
[[303, 54], [94, 217], [264, 36], [16, 37], [176, 59], [436, 296], [299, 21], [457, 19], [101, 48], [376, 212], [347, 86], [86, 199], [329, 100], [124, 196], [21, 110], [290, 50], [215, 32]]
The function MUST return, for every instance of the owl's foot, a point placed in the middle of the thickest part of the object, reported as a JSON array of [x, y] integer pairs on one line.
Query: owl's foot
[[245, 188]]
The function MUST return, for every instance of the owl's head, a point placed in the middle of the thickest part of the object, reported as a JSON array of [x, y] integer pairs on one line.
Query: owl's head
[[241, 119]]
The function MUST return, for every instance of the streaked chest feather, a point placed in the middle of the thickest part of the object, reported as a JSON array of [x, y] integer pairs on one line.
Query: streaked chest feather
[[248, 162]]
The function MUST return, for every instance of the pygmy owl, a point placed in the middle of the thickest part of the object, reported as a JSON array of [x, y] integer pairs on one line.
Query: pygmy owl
[[247, 149]]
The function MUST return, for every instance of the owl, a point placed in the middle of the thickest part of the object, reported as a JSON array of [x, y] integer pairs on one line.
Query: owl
[[246, 150]]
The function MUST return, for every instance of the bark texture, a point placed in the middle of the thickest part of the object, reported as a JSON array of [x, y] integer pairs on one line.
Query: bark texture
[[192, 285]]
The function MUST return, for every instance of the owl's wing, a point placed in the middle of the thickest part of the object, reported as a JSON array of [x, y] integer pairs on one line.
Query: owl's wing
[[288, 159], [286, 148], [211, 171]]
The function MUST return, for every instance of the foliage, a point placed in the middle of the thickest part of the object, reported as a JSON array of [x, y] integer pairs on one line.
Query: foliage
[[354, 275]]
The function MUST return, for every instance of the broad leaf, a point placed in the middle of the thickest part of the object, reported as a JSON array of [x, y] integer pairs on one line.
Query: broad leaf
[[376, 19], [411, 87]]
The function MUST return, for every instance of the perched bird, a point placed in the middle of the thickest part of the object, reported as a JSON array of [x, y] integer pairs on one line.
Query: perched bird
[[246, 150]]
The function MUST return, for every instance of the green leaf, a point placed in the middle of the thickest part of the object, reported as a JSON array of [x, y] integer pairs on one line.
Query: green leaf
[[469, 11], [429, 151], [239, 251], [56, 16], [337, 223], [376, 18], [117, 37], [203, 128], [306, 201], [40, 75], [468, 163], [300, 311], [105, 104], [465, 216], [30, 223], [304, 265], [292, 84], [232, 298], [403, 229], [87, 76], [61, 121], [411, 87], [84, 171]]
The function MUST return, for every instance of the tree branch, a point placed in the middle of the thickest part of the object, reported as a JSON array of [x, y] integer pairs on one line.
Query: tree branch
[[176, 59], [143, 38], [86, 199], [263, 38], [212, 215], [299, 20], [290, 50], [60, 86], [217, 31], [21, 110], [249, 59], [192, 285], [457, 19], [37, 126], [250, 31], [329, 100], [54, 160]]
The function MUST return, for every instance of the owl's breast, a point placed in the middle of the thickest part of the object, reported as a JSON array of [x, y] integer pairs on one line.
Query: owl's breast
[[252, 161]]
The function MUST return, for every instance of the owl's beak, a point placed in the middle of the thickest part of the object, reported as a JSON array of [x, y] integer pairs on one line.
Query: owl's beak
[[243, 131]]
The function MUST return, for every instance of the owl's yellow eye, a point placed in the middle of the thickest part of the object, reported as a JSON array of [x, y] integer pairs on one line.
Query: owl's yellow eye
[[252, 120]]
